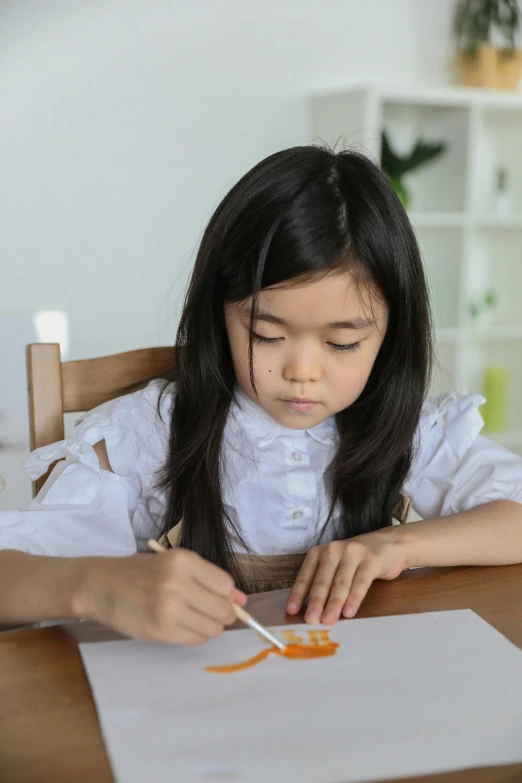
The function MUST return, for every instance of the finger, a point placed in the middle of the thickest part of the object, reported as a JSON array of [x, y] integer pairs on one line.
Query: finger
[[207, 574], [303, 582], [195, 622], [207, 603], [186, 637], [215, 579], [239, 597], [340, 589], [362, 580], [321, 585], [173, 634], [190, 607]]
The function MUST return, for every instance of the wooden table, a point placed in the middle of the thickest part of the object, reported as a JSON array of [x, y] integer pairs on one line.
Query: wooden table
[[48, 725]]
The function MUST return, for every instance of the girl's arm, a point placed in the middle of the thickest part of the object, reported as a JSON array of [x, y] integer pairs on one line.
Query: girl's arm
[[175, 597], [84, 509], [487, 535], [336, 576], [35, 588]]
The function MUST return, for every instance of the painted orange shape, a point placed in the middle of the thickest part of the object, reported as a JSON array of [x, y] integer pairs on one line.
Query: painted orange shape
[[320, 647], [290, 637]]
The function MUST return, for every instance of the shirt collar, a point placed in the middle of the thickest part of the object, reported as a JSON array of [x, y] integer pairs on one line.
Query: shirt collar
[[264, 429]]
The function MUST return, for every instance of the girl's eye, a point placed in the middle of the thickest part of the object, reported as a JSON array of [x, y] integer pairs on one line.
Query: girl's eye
[[349, 347], [265, 340]]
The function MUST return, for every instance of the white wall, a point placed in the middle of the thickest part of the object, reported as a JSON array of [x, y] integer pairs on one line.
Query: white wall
[[125, 121]]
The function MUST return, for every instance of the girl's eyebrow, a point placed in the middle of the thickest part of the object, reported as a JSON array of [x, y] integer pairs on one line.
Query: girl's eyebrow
[[353, 323]]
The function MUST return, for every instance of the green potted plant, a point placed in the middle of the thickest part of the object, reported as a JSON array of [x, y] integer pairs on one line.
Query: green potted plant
[[486, 33], [397, 166]]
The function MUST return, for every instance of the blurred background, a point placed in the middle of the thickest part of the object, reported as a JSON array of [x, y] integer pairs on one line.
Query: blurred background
[[124, 122]]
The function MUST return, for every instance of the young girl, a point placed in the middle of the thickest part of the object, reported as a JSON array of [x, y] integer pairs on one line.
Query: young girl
[[292, 431]]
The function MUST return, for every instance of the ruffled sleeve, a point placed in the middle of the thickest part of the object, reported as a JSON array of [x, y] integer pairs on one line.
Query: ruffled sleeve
[[456, 468], [83, 509]]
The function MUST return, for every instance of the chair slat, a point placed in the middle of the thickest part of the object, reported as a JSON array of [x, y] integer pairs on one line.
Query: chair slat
[[56, 388], [44, 387], [91, 382], [45, 394]]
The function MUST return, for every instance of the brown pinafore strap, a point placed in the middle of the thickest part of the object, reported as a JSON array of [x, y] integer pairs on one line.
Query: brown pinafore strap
[[402, 509], [262, 573]]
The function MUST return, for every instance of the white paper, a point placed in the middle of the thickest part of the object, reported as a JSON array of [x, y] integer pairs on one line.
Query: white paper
[[404, 695]]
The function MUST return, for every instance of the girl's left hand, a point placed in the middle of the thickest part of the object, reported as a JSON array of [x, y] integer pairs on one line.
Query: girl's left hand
[[336, 576]]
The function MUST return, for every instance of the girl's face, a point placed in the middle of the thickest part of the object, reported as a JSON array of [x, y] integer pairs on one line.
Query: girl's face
[[314, 347]]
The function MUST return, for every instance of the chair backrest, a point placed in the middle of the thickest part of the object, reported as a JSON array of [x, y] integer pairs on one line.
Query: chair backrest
[[56, 387]]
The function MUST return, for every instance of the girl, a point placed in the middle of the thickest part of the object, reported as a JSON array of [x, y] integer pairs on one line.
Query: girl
[[295, 430]]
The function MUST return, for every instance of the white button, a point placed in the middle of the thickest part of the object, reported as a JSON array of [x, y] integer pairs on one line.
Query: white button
[[297, 456], [297, 515]]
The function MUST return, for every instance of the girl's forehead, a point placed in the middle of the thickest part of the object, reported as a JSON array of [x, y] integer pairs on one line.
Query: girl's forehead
[[333, 298]]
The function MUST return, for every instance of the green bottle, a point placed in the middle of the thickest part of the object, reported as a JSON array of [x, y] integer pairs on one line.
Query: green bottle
[[495, 392]]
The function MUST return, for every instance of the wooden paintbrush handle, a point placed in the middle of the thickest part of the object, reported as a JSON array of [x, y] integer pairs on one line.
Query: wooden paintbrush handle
[[241, 614]]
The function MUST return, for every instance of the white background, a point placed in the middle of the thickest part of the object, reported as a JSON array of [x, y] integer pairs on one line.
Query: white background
[[123, 123]]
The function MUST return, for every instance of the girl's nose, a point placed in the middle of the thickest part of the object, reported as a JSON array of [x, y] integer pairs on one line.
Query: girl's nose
[[302, 369]]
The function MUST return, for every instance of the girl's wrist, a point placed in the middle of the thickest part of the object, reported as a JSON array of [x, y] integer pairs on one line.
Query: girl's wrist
[[426, 543], [40, 587], [88, 581], [405, 537]]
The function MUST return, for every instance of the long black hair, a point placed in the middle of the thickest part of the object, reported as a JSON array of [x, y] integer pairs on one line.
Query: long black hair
[[304, 211]]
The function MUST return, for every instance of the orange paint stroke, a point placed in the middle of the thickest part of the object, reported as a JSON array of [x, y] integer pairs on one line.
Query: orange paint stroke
[[323, 648]]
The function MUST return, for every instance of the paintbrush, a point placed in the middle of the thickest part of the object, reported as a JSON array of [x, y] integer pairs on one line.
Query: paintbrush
[[241, 614]]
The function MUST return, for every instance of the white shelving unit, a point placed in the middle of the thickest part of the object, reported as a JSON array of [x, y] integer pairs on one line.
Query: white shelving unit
[[468, 248]]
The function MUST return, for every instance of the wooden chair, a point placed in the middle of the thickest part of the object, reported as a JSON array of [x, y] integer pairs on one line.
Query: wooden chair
[[57, 387]]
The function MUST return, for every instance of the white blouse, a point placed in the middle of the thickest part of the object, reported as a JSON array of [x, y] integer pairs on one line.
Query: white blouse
[[272, 477]]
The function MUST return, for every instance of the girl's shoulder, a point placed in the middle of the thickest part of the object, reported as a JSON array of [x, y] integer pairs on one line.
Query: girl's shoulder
[[455, 467], [452, 421], [136, 410], [135, 428], [455, 416]]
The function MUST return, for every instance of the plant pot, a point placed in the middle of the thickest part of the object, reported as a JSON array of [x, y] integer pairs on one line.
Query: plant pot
[[487, 66]]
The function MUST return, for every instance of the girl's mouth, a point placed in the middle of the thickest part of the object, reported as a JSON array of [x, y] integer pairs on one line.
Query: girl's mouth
[[298, 404]]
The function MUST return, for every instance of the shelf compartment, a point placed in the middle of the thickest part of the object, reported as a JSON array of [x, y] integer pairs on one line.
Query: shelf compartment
[[502, 353], [499, 145], [442, 252], [498, 223], [438, 186], [495, 333], [497, 266]]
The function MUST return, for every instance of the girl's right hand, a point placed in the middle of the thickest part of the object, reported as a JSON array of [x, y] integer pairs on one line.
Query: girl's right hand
[[175, 597]]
